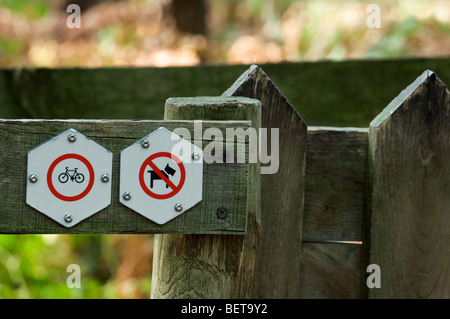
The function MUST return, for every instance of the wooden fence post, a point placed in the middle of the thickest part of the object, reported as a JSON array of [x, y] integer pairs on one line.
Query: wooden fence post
[[210, 266], [409, 187], [282, 192]]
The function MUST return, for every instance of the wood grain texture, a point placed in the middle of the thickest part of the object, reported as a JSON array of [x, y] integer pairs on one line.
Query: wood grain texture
[[104, 93], [278, 258], [223, 185], [323, 92], [409, 187], [211, 266], [336, 162], [330, 270]]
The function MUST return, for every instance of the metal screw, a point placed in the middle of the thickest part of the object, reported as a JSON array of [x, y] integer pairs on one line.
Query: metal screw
[[195, 156], [68, 218], [126, 196], [178, 207], [72, 138], [222, 212], [33, 178], [105, 178], [145, 144]]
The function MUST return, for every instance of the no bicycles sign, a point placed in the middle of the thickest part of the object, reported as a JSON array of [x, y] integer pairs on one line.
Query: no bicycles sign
[[69, 178], [161, 176]]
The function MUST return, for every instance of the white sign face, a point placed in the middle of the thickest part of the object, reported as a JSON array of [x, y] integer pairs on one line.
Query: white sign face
[[69, 178], [161, 176]]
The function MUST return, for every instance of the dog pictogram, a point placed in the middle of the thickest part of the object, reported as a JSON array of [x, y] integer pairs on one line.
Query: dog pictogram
[[166, 172]]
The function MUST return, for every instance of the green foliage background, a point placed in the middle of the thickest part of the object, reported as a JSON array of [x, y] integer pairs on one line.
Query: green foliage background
[[35, 266]]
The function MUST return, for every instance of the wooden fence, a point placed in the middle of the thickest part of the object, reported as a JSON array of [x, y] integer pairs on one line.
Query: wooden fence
[[343, 198]]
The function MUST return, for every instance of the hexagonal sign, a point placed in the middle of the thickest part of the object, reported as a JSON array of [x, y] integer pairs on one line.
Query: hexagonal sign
[[161, 176], [69, 178]]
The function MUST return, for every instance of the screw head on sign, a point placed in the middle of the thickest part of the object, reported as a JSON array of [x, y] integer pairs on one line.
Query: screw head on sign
[[195, 156], [145, 144], [105, 178], [126, 196], [68, 218], [33, 178], [72, 138], [222, 213], [178, 207]]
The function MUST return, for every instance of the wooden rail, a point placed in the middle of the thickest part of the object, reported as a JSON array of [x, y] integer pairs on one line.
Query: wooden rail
[[225, 185]]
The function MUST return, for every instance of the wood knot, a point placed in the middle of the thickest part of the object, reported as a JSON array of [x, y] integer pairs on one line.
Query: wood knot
[[426, 154]]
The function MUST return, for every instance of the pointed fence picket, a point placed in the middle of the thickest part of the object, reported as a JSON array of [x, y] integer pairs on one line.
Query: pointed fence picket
[[408, 193]]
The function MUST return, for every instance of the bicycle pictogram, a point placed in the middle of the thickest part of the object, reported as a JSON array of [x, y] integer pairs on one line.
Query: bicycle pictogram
[[71, 174]]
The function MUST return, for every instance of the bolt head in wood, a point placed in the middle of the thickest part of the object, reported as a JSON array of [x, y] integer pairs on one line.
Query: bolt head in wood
[[222, 213]]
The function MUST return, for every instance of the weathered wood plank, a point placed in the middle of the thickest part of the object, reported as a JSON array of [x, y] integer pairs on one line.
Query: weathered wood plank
[[223, 184], [282, 190], [409, 187], [211, 266], [330, 271], [327, 216], [105, 93], [336, 161], [323, 92]]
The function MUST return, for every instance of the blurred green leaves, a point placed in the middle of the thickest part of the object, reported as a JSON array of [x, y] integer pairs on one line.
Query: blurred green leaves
[[35, 266], [394, 43], [32, 9]]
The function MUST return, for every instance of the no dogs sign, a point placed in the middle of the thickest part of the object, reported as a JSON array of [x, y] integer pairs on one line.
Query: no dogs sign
[[161, 176], [162, 166]]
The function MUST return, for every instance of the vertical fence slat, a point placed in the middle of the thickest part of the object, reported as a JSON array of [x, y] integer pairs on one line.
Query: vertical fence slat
[[331, 271], [409, 192], [279, 253], [335, 178], [210, 266]]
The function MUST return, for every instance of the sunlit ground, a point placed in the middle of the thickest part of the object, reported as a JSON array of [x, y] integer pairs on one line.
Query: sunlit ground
[[141, 33]]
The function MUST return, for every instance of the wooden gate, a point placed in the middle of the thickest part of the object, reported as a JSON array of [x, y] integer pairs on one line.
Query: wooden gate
[[341, 200]]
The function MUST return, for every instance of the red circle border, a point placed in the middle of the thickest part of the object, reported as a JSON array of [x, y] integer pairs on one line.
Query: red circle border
[[86, 190]]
